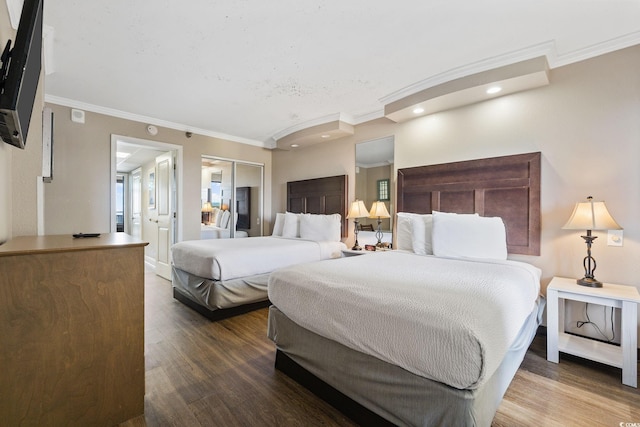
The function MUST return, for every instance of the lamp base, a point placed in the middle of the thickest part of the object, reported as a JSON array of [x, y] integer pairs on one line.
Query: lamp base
[[590, 282]]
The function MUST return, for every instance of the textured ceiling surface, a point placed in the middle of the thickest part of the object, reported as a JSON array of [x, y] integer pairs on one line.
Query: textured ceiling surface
[[251, 70]]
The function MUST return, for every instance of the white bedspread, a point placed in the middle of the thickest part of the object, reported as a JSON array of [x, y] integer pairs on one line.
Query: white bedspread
[[444, 319], [228, 259]]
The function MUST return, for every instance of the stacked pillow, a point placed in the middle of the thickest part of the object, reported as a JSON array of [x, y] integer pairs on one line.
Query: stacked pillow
[[222, 220], [452, 235], [214, 215], [308, 226]]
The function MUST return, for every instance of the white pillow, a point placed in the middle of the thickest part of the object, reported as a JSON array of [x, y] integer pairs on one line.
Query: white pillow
[[224, 220], [404, 231], [291, 227], [321, 228], [219, 218], [278, 225], [214, 215], [414, 232], [469, 236], [421, 234]]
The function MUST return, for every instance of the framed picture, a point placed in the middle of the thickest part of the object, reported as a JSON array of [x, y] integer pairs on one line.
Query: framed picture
[[152, 190]]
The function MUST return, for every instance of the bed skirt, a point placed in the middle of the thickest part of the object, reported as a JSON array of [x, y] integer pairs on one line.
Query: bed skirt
[[388, 391], [219, 299]]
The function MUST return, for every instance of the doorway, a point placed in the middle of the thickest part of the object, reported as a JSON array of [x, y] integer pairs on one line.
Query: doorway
[[152, 172]]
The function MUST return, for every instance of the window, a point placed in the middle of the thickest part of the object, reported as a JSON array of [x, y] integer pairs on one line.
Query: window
[[383, 189]]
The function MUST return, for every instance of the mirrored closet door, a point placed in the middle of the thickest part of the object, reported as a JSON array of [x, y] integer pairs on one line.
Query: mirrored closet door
[[231, 198]]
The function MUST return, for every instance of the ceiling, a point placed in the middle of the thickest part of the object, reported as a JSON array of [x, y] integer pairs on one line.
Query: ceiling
[[257, 72], [131, 156]]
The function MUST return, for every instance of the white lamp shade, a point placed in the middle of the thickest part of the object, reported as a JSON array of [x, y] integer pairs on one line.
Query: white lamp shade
[[591, 215], [357, 210], [379, 210], [207, 207]]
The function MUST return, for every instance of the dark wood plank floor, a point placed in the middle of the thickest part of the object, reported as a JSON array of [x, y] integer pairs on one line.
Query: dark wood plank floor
[[203, 373]]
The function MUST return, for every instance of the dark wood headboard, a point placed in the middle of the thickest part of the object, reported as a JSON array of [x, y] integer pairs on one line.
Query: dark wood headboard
[[319, 196], [508, 187]]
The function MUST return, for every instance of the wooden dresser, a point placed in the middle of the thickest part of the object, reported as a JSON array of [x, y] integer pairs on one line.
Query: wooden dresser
[[71, 330]]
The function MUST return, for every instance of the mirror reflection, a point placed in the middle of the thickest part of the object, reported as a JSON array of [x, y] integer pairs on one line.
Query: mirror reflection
[[231, 199], [374, 183]]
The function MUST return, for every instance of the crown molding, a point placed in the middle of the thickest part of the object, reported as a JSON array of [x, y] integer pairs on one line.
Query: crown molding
[[541, 49], [597, 49], [547, 49], [374, 115], [150, 120], [336, 117]]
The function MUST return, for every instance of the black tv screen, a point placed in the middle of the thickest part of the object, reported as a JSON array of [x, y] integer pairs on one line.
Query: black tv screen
[[20, 75]]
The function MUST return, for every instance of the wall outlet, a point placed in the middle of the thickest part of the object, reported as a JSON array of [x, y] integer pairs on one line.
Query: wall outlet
[[615, 238]]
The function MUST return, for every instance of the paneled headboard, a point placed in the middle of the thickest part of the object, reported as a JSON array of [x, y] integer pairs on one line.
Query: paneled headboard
[[508, 187], [319, 196]]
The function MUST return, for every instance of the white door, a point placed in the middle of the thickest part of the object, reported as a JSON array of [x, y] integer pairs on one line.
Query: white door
[[165, 211], [136, 203]]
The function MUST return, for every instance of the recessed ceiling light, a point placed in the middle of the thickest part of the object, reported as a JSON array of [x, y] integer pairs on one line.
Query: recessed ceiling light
[[494, 89], [325, 136], [121, 155], [418, 110], [295, 145]]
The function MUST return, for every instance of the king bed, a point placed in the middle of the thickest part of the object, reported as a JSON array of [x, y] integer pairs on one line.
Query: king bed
[[432, 333], [223, 277]]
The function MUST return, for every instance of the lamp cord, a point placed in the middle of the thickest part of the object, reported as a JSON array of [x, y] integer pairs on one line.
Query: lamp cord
[[581, 323]]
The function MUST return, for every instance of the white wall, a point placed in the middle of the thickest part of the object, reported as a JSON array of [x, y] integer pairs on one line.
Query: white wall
[[79, 196]]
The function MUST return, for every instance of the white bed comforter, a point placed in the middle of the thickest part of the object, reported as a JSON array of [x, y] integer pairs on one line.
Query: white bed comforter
[[228, 259], [448, 320]]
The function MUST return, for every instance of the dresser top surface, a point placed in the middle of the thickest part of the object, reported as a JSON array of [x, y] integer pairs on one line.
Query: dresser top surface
[[25, 245]]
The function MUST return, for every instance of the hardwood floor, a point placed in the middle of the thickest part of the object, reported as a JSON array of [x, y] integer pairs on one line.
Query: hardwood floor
[[203, 373]]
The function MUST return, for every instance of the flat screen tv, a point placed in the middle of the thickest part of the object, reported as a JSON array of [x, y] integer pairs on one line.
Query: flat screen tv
[[20, 74]]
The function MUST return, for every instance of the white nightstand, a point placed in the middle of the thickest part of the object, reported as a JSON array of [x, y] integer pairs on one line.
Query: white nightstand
[[624, 297]]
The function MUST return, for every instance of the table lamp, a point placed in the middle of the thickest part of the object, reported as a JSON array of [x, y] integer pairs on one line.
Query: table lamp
[[357, 210], [590, 216], [206, 212], [379, 210]]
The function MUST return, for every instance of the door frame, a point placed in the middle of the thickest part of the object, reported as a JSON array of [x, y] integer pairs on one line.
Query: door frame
[[178, 149]]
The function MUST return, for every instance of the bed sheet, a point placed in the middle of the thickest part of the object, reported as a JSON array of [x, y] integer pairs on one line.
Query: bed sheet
[[228, 259], [445, 319]]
